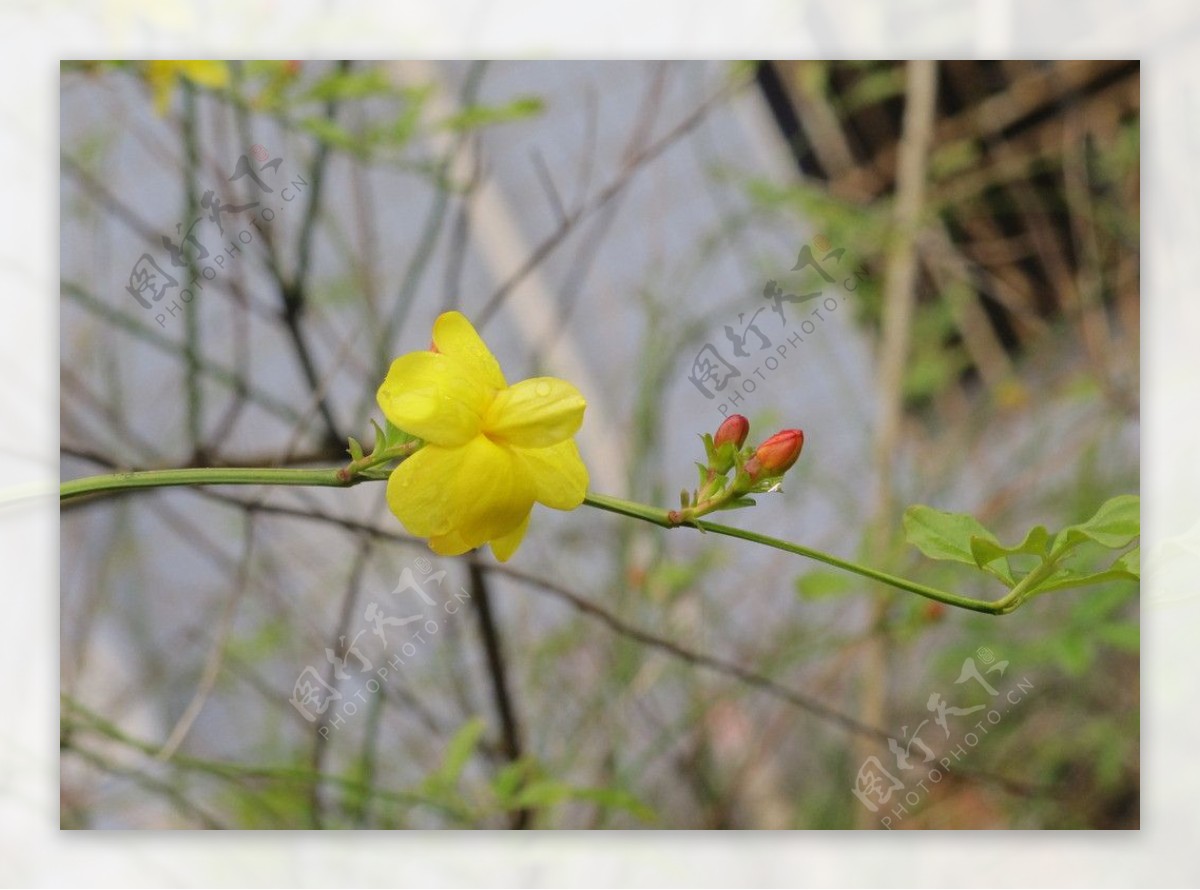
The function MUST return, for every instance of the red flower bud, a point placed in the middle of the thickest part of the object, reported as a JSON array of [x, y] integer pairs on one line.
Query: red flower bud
[[775, 456], [734, 429]]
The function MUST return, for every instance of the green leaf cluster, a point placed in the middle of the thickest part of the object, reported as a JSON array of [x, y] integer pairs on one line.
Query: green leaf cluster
[[1040, 562]]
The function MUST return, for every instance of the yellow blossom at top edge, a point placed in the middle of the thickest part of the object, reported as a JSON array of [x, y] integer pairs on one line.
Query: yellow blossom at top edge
[[163, 74]]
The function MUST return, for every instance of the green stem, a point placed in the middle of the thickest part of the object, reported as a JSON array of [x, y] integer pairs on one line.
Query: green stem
[[366, 463], [114, 482], [368, 468], [662, 518]]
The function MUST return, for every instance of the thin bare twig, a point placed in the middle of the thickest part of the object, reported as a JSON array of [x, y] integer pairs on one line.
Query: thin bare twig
[[629, 170], [587, 607], [510, 729], [349, 599], [294, 292], [212, 666]]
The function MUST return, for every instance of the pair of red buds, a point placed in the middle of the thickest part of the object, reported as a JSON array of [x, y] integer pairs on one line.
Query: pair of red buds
[[756, 469], [774, 457]]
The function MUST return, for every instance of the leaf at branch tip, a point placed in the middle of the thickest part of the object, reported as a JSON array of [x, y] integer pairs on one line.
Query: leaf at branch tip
[[1124, 568], [1115, 525], [998, 568], [986, 550], [948, 536]]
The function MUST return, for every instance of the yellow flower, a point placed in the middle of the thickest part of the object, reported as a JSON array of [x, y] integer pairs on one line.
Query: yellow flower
[[491, 449], [163, 73]]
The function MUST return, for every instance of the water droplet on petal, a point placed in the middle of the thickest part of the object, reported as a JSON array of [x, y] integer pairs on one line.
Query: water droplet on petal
[[542, 389]]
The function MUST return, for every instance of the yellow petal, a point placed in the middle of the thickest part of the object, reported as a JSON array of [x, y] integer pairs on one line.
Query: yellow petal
[[434, 398], [462, 497], [448, 545], [535, 413], [163, 73], [506, 545], [161, 78], [454, 336], [205, 72], [560, 479]]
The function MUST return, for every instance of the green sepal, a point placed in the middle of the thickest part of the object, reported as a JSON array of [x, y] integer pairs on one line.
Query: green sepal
[[737, 503]]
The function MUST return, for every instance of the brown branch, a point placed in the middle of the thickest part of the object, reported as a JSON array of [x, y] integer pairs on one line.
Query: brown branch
[[481, 599]]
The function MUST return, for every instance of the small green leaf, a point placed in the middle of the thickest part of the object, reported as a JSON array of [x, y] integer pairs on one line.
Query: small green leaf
[[355, 450], [393, 435], [459, 751], [986, 550], [380, 438], [1115, 525], [992, 556], [474, 116], [1066, 578], [999, 568], [740, 458], [1037, 541], [737, 503], [684, 498], [723, 457], [941, 535], [341, 85]]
